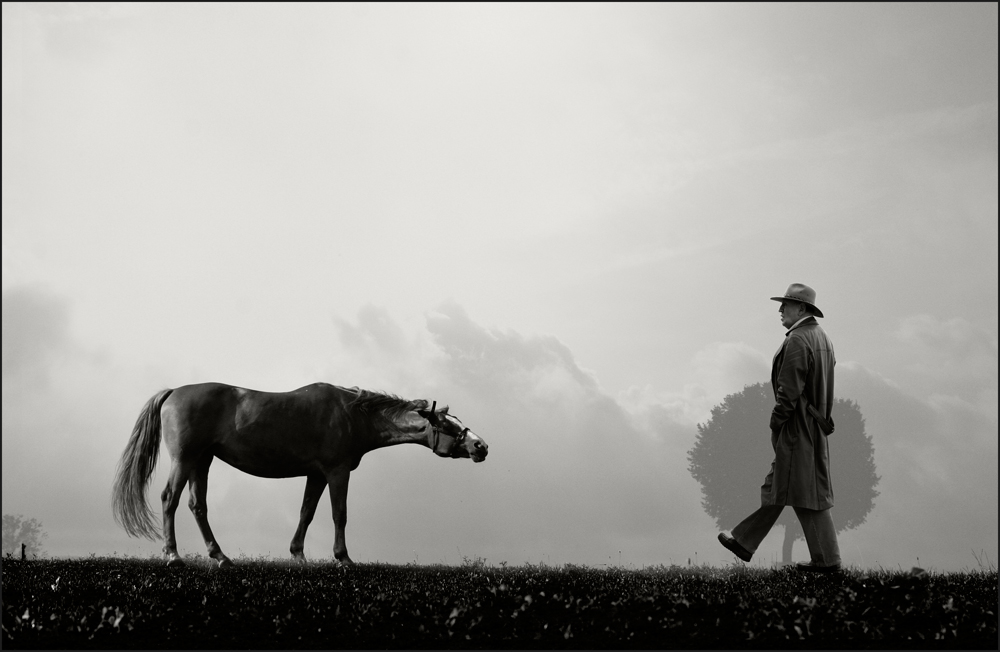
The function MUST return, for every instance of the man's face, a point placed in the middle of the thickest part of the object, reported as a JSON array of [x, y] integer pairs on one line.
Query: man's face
[[791, 312]]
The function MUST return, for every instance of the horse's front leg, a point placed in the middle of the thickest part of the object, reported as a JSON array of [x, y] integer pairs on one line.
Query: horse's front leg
[[338, 499], [315, 484]]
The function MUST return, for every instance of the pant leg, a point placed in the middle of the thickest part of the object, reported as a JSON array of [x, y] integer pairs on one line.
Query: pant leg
[[752, 530], [821, 535]]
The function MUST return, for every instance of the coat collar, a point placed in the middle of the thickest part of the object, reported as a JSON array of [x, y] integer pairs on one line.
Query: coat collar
[[808, 321]]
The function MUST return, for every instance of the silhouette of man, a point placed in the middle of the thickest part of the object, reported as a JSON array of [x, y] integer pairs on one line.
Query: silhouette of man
[[802, 380]]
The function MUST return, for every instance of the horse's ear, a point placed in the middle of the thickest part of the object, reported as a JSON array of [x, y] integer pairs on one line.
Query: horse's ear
[[444, 410]]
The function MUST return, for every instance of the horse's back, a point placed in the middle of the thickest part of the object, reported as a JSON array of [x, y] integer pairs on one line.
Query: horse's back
[[217, 404], [206, 395], [272, 434]]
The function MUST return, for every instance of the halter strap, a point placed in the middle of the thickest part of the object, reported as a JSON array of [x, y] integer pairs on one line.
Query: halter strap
[[435, 439], [437, 432]]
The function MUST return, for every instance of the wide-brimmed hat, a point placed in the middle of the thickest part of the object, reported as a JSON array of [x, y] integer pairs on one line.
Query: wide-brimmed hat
[[802, 294]]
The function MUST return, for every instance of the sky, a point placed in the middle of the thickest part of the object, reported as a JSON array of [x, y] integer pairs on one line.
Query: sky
[[564, 221]]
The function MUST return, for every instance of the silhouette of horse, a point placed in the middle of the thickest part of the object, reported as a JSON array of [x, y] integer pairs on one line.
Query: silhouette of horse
[[319, 431]]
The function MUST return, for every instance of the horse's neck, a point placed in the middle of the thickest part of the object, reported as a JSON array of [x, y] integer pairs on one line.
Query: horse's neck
[[408, 429]]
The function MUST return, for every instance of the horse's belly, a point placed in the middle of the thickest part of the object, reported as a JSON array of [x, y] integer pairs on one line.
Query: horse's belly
[[268, 463], [269, 470]]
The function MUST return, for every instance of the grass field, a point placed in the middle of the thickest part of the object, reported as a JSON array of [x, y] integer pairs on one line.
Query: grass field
[[114, 603]]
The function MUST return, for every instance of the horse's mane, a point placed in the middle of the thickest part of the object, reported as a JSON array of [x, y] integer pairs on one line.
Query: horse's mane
[[378, 404]]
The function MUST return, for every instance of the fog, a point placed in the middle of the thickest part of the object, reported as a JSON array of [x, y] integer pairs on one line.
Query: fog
[[562, 221]]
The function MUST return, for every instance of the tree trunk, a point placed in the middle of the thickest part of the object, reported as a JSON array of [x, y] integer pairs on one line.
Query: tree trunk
[[786, 546]]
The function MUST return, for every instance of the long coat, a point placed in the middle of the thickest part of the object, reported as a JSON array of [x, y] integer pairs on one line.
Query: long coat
[[802, 369]]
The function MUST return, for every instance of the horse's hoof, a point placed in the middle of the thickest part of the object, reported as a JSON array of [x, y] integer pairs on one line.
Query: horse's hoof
[[300, 558], [225, 562], [345, 562], [175, 562]]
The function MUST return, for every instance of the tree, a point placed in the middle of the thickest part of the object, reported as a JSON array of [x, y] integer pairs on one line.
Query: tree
[[732, 454], [18, 530]]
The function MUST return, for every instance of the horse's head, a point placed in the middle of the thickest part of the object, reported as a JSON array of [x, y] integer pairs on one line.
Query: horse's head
[[451, 438]]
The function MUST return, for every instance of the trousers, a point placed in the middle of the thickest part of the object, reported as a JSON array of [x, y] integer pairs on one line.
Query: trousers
[[817, 524]]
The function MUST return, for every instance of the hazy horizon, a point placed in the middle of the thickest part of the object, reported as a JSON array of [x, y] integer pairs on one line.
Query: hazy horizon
[[564, 221]]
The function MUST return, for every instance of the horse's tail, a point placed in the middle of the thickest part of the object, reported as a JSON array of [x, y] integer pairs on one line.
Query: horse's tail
[[135, 470]]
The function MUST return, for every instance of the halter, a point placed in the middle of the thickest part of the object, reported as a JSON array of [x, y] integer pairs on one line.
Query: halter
[[437, 433]]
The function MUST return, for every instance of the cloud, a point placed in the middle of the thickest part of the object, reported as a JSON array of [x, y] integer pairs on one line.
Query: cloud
[[937, 459], [571, 476], [485, 356], [577, 478], [719, 369], [35, 332], [376, 325], [378, 353], [953, 357]]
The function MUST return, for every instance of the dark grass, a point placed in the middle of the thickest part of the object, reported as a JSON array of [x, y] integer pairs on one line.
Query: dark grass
[[114, 603]]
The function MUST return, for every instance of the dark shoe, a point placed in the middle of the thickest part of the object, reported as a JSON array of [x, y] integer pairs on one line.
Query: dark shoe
[[734, 547], [816, 568]]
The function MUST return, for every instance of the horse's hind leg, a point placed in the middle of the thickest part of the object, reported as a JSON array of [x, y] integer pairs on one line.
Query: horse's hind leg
[[171, 496], [315, 484], [198, 488]]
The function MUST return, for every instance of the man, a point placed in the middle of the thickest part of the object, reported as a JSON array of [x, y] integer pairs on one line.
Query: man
[[802, 379]]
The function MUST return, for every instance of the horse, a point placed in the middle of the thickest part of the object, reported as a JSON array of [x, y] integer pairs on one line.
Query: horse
[[319, 431]]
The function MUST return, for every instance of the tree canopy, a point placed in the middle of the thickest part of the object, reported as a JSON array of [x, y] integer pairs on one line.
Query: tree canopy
[[18, 530], [732, 455]]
